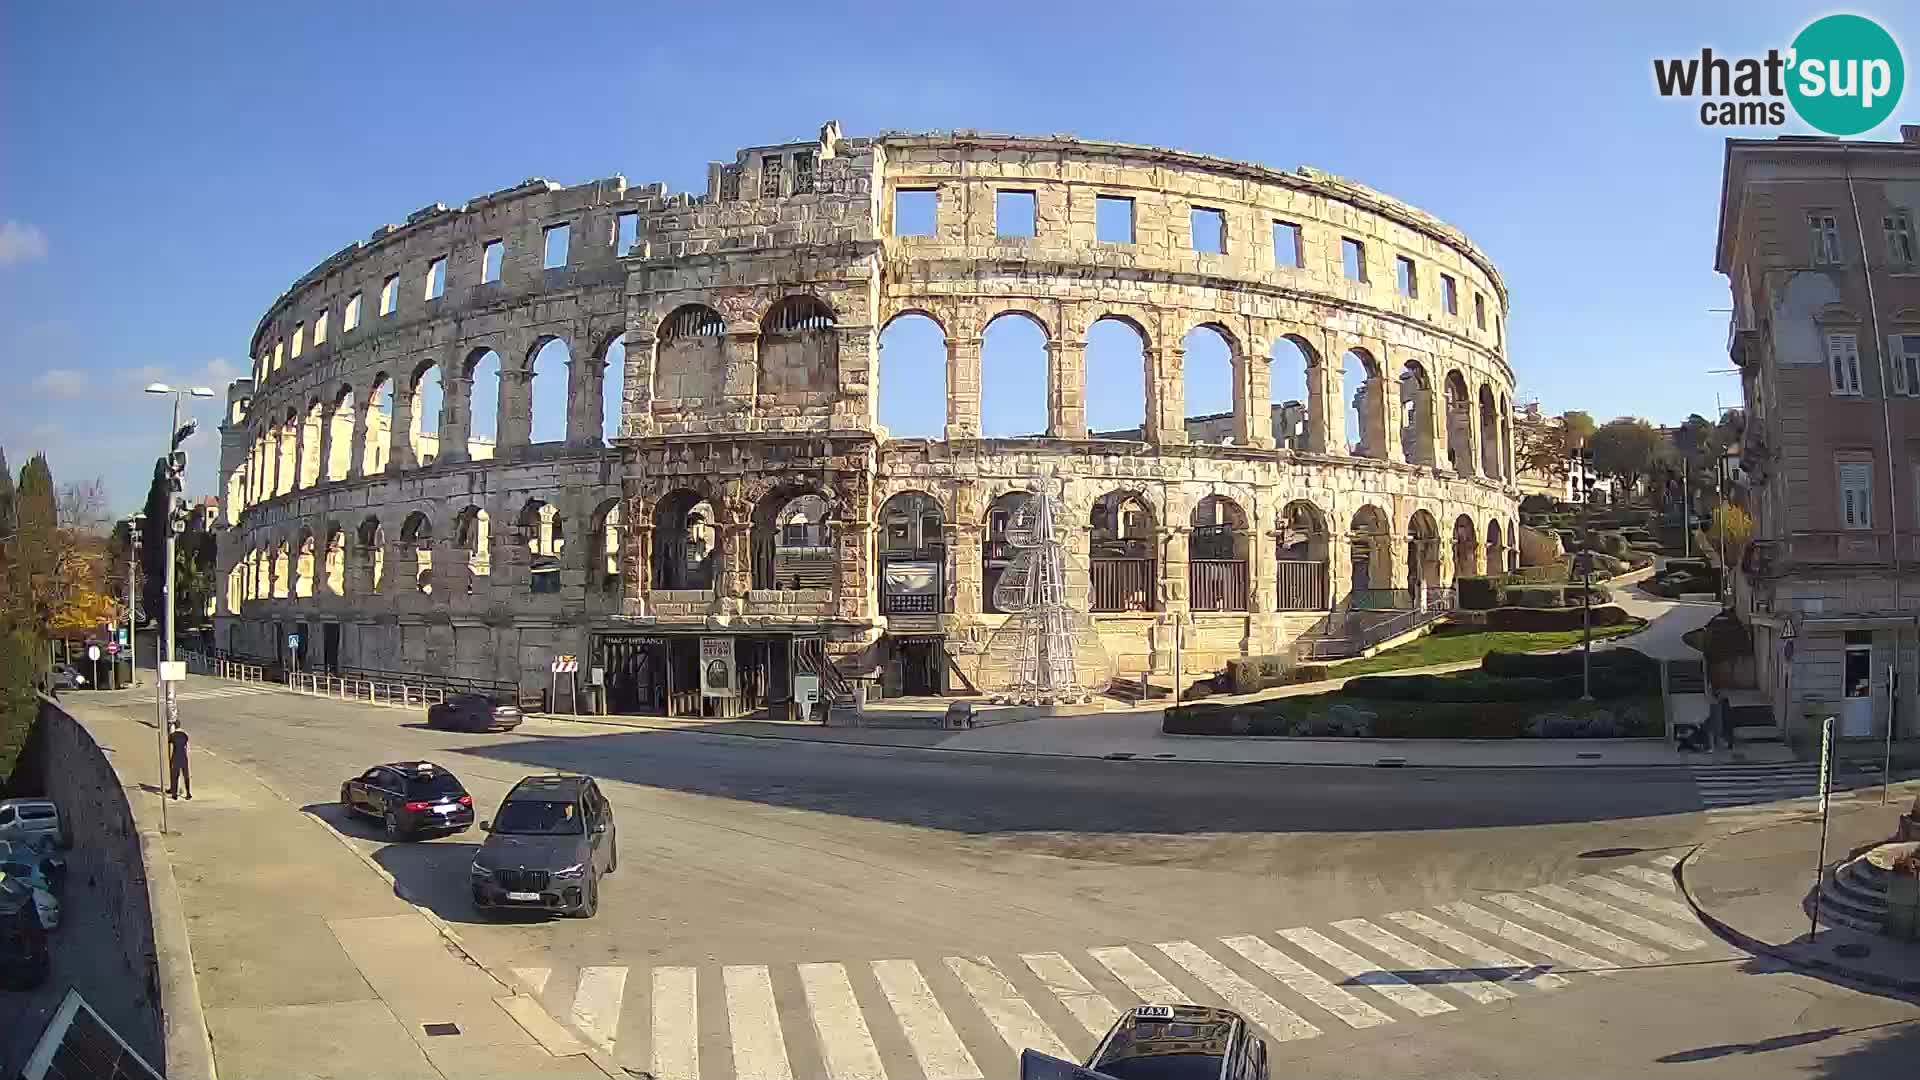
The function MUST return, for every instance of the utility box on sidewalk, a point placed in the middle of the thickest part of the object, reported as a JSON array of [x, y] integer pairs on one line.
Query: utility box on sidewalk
[[959, 715]]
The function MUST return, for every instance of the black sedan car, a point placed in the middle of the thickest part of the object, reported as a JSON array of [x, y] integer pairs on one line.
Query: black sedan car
[[1164, 1042], [547, 848], [473, 712], [411, 798]]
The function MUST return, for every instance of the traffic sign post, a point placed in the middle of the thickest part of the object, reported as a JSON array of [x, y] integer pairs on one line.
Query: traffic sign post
[[93, 654]]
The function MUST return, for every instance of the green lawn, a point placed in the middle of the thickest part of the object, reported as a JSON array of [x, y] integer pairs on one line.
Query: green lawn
[[1442, 647]]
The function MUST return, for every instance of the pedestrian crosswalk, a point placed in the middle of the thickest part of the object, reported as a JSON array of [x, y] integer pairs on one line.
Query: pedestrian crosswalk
[[1724, 787], [208, 692], [968, 1017]]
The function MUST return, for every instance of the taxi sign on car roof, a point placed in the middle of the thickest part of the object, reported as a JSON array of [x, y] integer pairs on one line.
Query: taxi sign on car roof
[[1153, 1012]]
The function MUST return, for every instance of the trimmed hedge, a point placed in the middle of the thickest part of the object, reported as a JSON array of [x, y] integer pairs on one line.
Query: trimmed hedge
[[1314, 716], [1476, 592], [1245, 674], [1562, 664], [1537, 619]]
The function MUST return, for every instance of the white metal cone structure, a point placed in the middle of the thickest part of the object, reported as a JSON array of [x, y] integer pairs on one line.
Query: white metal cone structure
[[1049, 651]]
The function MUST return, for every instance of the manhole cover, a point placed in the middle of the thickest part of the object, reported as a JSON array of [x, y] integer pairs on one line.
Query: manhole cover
[[1852, 950], [1610, 852], [442, 1029]]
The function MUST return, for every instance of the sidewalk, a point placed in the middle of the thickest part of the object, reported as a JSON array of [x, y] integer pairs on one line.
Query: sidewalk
[[1751, 886], [307, 963]]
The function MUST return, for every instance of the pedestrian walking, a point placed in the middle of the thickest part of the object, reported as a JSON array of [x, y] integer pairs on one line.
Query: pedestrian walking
[[177, 774]]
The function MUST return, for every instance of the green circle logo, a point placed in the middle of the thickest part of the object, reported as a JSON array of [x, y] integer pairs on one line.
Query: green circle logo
[[1847, 74]]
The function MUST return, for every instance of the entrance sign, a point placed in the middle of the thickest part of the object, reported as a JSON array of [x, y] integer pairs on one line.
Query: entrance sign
[[716, 667]]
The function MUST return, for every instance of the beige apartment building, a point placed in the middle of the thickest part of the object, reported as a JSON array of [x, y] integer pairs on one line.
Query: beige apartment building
[[1817, 242]]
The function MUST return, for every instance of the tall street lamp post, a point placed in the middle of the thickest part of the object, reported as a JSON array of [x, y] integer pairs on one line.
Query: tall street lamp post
[[176, 469]]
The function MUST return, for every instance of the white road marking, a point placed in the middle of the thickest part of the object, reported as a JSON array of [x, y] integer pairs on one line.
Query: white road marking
[[1065, 982], [935, 1044], [534, 978], [596, 1003], [1651, 877], [1625, 920], [676, 1023], [1500, 926], [759, 1047], [1010, 1014], [1306, 982], [845, 1043], [1567, 924], [1281, 1022], [1366, 972], [1146, 983], [1623, 891], [1458, 979], [1478, 951]]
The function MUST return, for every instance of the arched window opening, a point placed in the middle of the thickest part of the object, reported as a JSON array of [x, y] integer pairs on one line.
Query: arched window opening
[[1301, 553], [339, 421], [379, 426], [684, 543], [1370, 561], [483, 404], [1423, 558], [1506, 445], [236, 586], [1207, 380], [544, 532], [336, 562], [1217, 549], [287, 443], [913, 555], [1416, 414], [282, 570], [1013, 377], [1466, 548], [690, 366], [1360, 377], [416, 539], [473, 531], [1116, 379], [1123, 545], [1459, 425], [547, 391], [1496, 549], [309, 444], [1489, 435], [799, 358], [373, 549], [613, 388], [1008, 519], [428, 399], [793, 542], [913, 378], [1290, 393], [303, 566], [609, 528]]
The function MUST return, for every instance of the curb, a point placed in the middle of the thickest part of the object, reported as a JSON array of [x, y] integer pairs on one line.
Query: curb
[[1747, 942], [189, 1048]]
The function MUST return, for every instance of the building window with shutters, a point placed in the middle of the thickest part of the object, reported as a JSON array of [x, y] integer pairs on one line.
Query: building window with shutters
[[1824, 231], [1843, 363], [1904, 350], [1856, 494], [1899, 228]]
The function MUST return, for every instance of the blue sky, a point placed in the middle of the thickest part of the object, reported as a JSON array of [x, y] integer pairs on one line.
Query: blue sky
[[166, 170]]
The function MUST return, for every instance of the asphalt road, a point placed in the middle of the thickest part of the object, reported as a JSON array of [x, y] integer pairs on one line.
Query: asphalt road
[[759, 855]]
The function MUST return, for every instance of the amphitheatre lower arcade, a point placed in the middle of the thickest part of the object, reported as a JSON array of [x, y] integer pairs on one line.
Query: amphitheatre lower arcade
[[613, 423]]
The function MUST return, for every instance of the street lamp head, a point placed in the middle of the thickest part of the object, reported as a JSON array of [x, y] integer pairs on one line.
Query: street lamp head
[[201, 391], [159, 388]]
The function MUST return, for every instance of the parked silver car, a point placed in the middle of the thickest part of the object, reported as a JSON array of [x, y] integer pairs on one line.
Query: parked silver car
[[27, 819]]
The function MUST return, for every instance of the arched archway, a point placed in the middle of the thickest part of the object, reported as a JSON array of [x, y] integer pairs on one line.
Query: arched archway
[[1370, 561], [793, 541], [1208, 383], [483, 403], [428, 399], [1007, 518], [1116, 379], [373, 550], [913, 365], [543, 531], [473, 531], [1123, 545], [1496, 548], [1466, 548], [690, 362], [609, 533], [799, 356], [613, 388], [549, 386], [1290, 386], [339, 426], [1013, 376], [1460, 449], [684, 542], [1416, 414], [378, 435], [335, 567], [1489, 434], [1302, 553], [303, 565], [307, 439], [1217, 550], [1506, 445], [1362, 384], [1423, 556], [416, 545], [913, 555]]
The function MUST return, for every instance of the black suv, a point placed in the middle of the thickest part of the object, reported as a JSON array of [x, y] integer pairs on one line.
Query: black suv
[[546, 848]]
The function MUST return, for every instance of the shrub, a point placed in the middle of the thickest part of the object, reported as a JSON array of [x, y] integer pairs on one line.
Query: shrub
[[1594, 725], [1538, 596], [1563, 664], [1476, 592], [1535, 620], [1317, 716], [1245, 674]]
